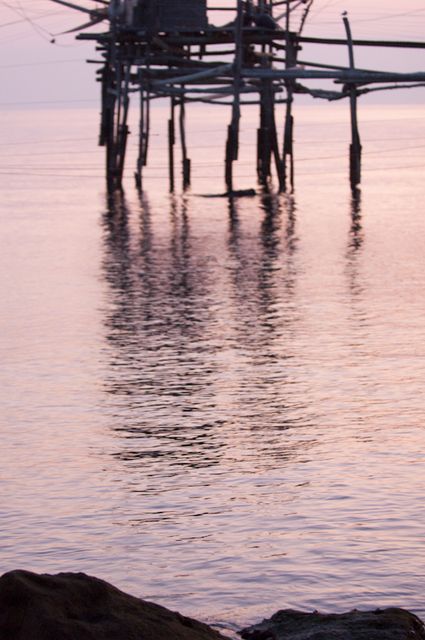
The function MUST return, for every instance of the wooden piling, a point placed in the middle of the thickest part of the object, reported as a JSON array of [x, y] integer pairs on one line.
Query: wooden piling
[[116, 113], [186, 164], [288, 143], [232, 142], [291, 52], [355, 146], [171, 143], [265, 132], [140, 158]]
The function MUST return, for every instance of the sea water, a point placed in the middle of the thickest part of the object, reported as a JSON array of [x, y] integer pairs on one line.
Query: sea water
[[217, 405]]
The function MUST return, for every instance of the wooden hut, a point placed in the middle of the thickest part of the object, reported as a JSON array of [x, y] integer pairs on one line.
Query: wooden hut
[[165, 16]]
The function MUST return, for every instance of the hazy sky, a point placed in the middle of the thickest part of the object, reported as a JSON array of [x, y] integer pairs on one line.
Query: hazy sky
[[33, 69]]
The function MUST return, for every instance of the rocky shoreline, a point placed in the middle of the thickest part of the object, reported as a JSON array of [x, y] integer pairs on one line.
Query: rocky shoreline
[[74, 606]]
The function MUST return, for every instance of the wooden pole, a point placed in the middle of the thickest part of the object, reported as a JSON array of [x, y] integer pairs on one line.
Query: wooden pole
[[147, 128], [109, 113], [277, 158], [123, 130], [288, 135], [355, 146], [117, 128], [232, 143], [171, 142], [265, 132], [140, 159], [288, 143], [185, 160]]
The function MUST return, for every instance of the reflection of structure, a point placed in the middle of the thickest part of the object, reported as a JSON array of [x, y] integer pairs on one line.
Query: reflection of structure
[[163, 48], [355, 243], [198, 344], [263, 271], [158, 381]]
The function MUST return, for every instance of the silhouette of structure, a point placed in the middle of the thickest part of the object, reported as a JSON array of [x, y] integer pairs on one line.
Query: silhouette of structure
[[164, 48]]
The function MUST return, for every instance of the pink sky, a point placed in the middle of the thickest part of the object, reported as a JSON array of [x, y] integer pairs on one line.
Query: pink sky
[[33, 69]]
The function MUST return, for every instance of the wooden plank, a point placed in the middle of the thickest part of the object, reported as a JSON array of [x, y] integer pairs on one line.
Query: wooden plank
[[398, 44]]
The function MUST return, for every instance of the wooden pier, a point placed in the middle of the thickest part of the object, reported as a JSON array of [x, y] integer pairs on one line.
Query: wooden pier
[[173, 50]]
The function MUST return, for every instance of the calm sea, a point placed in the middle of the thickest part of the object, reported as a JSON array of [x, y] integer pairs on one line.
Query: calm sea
[[217, 406]]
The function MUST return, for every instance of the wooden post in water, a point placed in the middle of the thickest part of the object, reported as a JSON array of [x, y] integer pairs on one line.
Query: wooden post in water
[[288, 133], [107, 137], [355, 146], [276, 153], [265, 132], [116, 133], [171, 143], [141, 156], [123, 129], [185, 160], [232, 142]]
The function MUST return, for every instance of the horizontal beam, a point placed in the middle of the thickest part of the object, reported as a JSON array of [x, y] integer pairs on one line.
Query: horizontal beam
[[251, 36], [199, 75], [349, 76], [406, 44]]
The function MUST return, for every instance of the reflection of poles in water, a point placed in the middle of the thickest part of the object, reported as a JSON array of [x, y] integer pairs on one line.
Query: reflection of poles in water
[[118, 271], [356, 235], [270, 226], [147, 271], [180, 275], [156, 304], [115, 223], [187, 276], [291, 218], [233, 221], [354, 245], [275, 207], [269, 271]]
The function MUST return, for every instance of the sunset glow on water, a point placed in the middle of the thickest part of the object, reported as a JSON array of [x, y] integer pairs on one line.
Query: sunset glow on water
[[216, 405]]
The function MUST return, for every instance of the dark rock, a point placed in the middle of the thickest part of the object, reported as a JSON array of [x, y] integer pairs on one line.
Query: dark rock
[[382, 624], [74, 606]]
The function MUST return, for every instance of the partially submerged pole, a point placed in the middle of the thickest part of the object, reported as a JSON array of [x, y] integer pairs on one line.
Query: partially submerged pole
[[232, 142], [171, 143], [355, 146], [143, 133], [265, 132], [185, 160], [288, 133]]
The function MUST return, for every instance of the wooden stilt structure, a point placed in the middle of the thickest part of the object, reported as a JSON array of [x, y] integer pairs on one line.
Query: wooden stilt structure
[[163, 48]]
